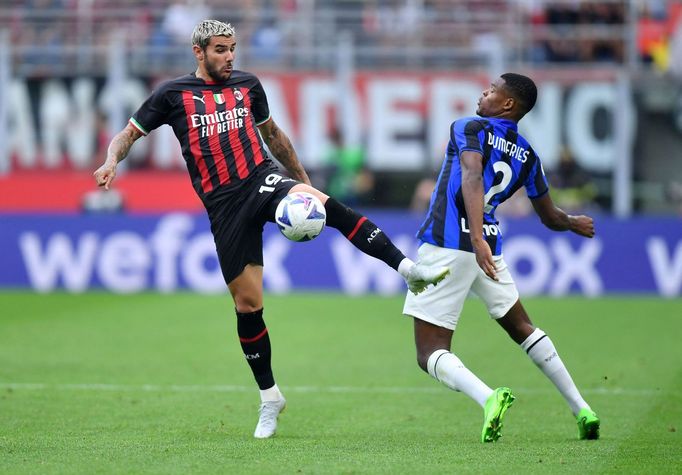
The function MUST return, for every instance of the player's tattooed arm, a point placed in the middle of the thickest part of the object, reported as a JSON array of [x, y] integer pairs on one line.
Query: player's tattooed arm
[[280, 145], [117, 151], [557, 219]]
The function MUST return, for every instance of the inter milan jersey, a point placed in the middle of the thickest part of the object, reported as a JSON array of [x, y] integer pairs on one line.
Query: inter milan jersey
[[215, 124], [508, 163]]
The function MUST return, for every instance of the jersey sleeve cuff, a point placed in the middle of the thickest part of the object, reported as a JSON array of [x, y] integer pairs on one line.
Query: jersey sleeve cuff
[[137, 125], [470, 149], [258, 124], [539, 196]]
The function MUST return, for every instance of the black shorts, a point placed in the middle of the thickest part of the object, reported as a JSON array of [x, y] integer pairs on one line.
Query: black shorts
[[237, 220]]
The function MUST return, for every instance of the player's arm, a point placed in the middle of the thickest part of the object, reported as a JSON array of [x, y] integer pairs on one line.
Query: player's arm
[[472, 192], [280, 145], [557, 219], [117, 151]]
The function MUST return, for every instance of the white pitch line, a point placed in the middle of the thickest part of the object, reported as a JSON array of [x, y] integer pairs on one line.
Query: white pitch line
[[179, 388]]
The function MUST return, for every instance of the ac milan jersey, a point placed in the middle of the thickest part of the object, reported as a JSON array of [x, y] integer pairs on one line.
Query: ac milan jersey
[[509, 162], [215, 124]]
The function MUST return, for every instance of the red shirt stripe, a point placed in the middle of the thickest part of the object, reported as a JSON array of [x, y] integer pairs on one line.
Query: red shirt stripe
[[251, 130], [233, 135], [194, 144], [214, 141]]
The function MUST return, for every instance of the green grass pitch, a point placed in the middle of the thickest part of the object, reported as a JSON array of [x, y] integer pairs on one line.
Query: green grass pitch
[[150, 383]]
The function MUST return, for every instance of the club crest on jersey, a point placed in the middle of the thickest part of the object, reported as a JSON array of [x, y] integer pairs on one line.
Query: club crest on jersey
[[238, 94], [219, 98]]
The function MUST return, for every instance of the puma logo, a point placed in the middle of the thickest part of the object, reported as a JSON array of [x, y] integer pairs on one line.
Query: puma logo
[[199, 98]]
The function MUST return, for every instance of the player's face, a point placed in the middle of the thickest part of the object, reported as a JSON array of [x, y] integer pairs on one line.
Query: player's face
[[494, 100], [219, 56]]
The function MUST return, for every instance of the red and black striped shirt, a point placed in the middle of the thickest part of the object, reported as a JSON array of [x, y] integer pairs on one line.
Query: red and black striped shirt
[[215, 124]]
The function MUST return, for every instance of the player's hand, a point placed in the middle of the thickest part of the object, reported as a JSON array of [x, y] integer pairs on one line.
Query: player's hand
[[484, 258], [582, 225], [105, 174]]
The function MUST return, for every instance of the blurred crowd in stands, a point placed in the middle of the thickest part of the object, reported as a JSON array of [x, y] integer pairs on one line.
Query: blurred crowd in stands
[[47, 32], [72, 37]]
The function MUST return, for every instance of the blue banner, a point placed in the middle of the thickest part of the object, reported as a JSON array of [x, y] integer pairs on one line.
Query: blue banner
[[130, 253]]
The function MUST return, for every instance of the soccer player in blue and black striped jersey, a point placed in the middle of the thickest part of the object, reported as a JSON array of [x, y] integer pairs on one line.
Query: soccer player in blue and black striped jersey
[[486, 161]]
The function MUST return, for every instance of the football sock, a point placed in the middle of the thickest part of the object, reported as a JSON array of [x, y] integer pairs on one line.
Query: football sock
[[271, 394], [362, 233], [449, 370], [253, 336], [405, 266], [541, 350]]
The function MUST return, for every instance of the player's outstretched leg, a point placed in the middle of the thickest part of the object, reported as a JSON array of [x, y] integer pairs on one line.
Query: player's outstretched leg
[[493, 413], [541, 350], [421, 276], [370, 239], [588, 424]]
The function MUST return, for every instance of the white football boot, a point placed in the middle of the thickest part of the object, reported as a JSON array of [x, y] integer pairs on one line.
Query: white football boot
[[421, 276], [267, 421]]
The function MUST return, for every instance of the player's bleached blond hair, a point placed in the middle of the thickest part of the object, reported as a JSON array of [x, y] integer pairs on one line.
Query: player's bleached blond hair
[[206, 29]]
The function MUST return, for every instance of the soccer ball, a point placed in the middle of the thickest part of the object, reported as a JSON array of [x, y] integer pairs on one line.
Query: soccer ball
[[300, 216]]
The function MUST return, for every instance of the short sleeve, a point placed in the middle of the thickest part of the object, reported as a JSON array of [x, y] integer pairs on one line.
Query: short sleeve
[[466, 135], [259, 103], [536, 183], [152, 113]]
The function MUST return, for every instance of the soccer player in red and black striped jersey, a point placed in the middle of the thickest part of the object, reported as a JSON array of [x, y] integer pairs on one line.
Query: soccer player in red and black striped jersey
[[221, 118]]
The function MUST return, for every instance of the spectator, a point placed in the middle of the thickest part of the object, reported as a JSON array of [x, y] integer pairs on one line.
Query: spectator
[[170, 39], [347, 177], [571, 184], [266, 42]]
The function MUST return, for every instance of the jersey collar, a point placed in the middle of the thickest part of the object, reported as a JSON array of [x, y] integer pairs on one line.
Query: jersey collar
[[194, 75]]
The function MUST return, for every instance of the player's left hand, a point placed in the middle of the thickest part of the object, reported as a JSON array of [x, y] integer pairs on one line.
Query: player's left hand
[[582, 225]]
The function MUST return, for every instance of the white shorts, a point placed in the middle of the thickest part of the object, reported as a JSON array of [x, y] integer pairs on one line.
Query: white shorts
[[442, 304]]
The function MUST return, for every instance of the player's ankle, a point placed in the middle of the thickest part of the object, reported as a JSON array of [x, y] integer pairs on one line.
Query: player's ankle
[[405, 267]]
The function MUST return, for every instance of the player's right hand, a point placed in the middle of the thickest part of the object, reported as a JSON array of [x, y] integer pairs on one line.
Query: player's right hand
[[484, 258], [105, 174]]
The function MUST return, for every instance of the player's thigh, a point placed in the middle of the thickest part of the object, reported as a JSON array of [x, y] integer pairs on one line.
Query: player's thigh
[[442, 304], [499, 296], [266, 192], [281, 186], [309, 189], [239, 242]]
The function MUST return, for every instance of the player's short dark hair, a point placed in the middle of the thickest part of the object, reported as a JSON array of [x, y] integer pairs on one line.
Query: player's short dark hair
[[522, 88]]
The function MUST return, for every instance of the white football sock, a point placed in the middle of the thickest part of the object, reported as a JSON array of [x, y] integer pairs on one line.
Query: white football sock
[[271, 394], [449, 370], [541, 350], [405, 266]]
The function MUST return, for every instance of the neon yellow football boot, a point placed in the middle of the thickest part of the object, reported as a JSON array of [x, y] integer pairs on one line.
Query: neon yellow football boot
[[588, 424], [495, 407]]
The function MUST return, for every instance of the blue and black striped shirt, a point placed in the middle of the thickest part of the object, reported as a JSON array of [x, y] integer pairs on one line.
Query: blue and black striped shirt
[[509, 162]]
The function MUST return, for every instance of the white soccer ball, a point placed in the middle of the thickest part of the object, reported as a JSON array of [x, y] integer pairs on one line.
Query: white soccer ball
[[300, 216]]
